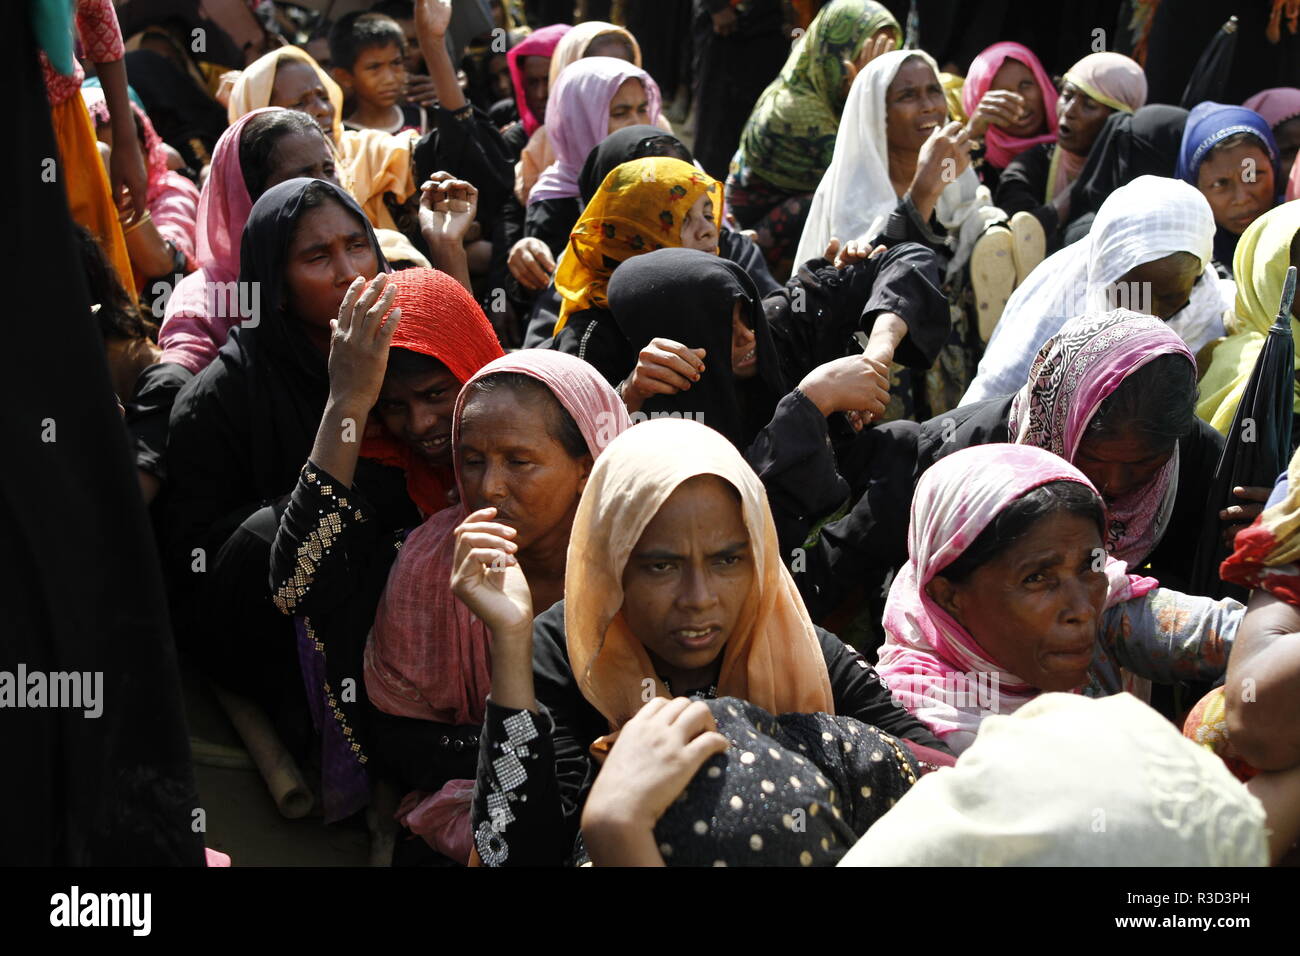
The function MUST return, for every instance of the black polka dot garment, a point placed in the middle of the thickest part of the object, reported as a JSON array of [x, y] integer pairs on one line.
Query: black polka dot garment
[[793, 790]]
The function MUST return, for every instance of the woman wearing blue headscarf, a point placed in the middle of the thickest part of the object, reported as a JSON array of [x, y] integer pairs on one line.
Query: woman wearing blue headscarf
[[1229, 154]]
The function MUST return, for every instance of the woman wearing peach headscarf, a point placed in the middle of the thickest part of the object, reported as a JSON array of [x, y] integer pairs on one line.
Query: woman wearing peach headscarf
[[674, 586], [1038, 180], [371, 164]]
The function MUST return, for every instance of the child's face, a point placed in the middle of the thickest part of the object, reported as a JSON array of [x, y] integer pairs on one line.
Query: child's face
[[379, 75]]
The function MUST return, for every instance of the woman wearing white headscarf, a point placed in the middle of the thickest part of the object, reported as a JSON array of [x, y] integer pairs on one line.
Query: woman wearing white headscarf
[[1071, 781], [1149, 250], [901, 173], [859, 191]]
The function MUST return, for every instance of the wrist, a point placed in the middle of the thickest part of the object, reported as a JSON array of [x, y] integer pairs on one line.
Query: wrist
[[347, 406], [819, 396]]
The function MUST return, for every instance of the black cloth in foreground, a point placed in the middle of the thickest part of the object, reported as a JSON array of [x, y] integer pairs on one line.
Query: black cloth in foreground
[[535, 769], [82, 590]]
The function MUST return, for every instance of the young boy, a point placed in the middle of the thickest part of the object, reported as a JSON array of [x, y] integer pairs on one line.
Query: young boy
[[368, 54]]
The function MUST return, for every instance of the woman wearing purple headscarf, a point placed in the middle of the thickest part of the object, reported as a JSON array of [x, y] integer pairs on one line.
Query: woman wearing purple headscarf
[[592, 98]]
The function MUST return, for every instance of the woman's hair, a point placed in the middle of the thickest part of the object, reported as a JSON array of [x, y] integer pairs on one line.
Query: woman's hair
[[1157, 403], [117, 316], [1236, 139], [665, 145], [1017, 518], [257, 145], [403, 363], [561, 426]]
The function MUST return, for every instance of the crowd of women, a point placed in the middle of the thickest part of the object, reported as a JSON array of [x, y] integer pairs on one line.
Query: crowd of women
[[831, 492]]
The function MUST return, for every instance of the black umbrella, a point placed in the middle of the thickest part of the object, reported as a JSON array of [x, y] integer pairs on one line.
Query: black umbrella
[[1210, 75], [1258, 448]]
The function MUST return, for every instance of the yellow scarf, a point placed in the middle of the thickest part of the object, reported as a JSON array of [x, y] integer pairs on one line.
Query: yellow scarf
[[639, 207], [1259, 265]]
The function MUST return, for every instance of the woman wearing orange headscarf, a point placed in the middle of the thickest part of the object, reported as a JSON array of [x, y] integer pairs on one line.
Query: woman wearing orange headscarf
[[674, 586]]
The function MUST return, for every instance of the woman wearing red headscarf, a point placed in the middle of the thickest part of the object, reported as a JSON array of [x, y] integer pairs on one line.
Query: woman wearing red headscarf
[[392, 387]]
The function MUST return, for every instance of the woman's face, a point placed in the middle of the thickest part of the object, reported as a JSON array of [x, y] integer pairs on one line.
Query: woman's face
[[689, 575], [1015, 76], [699, 231], [329, 249], [914, 106], [1287, 136], [1165, 284], [537, 72], [1238, 182], [744, 344], [629, 107], [297, 87], [1119, 465], [498, 71], [1035, 608], [416, 408], [511, 462], [1079, 119], [305, 155]]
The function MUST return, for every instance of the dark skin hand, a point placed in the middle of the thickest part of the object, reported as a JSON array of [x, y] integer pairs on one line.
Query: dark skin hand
[[1240, 516]]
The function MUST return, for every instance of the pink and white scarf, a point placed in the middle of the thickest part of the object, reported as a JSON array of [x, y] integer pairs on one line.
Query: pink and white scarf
[[932, 664], [1072, 374]]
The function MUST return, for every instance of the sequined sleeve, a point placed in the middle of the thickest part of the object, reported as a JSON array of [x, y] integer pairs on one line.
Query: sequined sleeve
[[324, 528], [1168, 636], [516, 812]]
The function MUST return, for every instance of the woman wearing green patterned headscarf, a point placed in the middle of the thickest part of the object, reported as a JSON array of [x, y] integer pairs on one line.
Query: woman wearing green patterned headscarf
[[790, 137]]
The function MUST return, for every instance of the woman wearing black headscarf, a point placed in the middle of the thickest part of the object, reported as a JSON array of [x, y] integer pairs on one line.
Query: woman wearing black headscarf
[[241, 430], [1142, 143], [718, 353], [712, 306]]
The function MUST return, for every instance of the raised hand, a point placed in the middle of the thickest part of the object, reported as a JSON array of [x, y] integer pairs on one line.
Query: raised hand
[[359, 343], [1001, 108], [447, 209], [882, 43], [855, 383], [486, 576], [433, 15], [663, 367], [531, 263]]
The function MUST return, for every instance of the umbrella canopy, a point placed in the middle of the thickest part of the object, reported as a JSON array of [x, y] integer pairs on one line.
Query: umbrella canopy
[[1210, 75], [1258, 448]]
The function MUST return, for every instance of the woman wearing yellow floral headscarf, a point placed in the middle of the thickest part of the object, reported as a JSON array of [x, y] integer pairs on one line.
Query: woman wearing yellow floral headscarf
[[1268, 246], [646, 204]]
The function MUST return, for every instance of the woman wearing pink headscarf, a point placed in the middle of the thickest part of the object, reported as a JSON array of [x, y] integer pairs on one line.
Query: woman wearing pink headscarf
[[1280, 107], [1008, 593], [526, 430], [1011, 103], [529, 62]]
